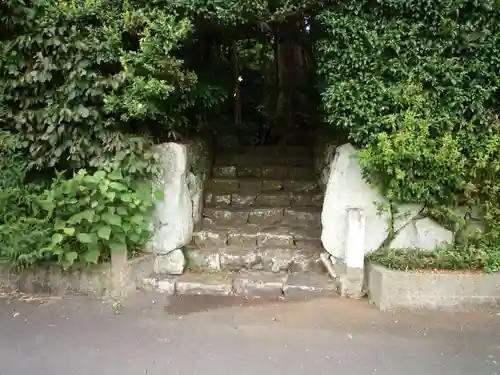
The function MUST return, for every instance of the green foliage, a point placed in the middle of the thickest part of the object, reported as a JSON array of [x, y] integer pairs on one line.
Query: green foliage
[[23, 227], [77, 79], [415, 85], [80, 219], [371, 52], [475, 255], [96, 214]]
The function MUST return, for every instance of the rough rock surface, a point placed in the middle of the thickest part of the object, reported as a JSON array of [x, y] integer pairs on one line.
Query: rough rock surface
[[347, 190], [173, 217], [172, 263], [423, 234]]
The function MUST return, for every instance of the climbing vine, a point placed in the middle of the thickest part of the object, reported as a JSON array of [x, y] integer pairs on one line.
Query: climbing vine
[[416, 85]]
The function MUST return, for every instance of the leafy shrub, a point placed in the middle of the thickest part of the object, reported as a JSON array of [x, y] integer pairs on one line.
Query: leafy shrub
[[80, 219], [416, 84], [77, 79], [373, 51], [23, 227], [96, 214]]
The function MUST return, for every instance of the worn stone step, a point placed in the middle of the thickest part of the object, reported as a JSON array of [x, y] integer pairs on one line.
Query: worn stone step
[[272, 259], [251, 235], [284, 150], [294, 216], [245, 283], [255, 159], [237, 184], [267, 172], [263, 199]]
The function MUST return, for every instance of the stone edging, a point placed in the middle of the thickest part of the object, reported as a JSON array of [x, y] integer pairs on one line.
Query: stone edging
[[397, 290], [99, 281], [244, 283]]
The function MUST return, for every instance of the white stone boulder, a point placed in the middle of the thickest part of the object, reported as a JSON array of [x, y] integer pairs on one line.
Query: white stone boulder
[[346, 189], [173, 217], [348, 192], [172, 263], [422, 234]]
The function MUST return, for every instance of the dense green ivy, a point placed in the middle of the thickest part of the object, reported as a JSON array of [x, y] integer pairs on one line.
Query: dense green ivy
[[373, 50], [75, 78], [416, 84]]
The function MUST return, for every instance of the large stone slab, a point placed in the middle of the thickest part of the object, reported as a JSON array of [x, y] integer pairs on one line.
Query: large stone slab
[[459, 291], [218, 284], [172, 221], [346, 190], [259, 284], [306, 283], [423, 234]]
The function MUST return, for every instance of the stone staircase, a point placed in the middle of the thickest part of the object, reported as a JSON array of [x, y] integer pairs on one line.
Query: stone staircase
[[261, 226]]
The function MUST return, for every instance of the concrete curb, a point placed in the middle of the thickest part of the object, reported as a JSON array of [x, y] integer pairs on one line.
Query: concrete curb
[[103, 280], [452, 291]]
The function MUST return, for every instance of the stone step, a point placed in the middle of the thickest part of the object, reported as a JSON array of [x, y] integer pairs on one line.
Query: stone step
[[267, 151], [267, 172], [255, 159], [264, 199], [264, 216], [272, 259], [235, 184], [245, 283], [250, 235]]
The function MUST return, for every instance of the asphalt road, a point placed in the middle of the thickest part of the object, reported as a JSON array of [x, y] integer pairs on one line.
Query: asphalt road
[[322, 336]]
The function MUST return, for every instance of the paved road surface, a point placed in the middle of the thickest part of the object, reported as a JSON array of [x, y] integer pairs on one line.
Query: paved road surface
[[322, 336]]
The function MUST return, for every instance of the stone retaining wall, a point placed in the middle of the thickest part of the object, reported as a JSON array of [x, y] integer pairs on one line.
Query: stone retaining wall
[[102, 280], [396, 290]]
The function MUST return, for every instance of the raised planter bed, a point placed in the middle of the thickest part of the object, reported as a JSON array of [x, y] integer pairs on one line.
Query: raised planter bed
[[443, 290], [103, 280]]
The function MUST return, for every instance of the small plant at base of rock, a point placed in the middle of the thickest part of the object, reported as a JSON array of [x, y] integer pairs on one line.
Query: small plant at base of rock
[[96, 214]]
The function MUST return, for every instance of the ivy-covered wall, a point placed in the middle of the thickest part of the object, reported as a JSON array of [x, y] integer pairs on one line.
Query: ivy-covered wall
[[416, 84]]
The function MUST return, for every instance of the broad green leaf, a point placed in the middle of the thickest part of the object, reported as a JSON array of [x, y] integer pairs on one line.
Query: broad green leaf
[[137, 219], [85, 238], [59, 224], [116, 174], [92, 254], [88, 215], [104, 233], [57, 238], [70, 257], [99, 175], [69, 231], [117, 186], [111, 195], [122, 211], [117, 247], [126, 198], [112, 219]]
